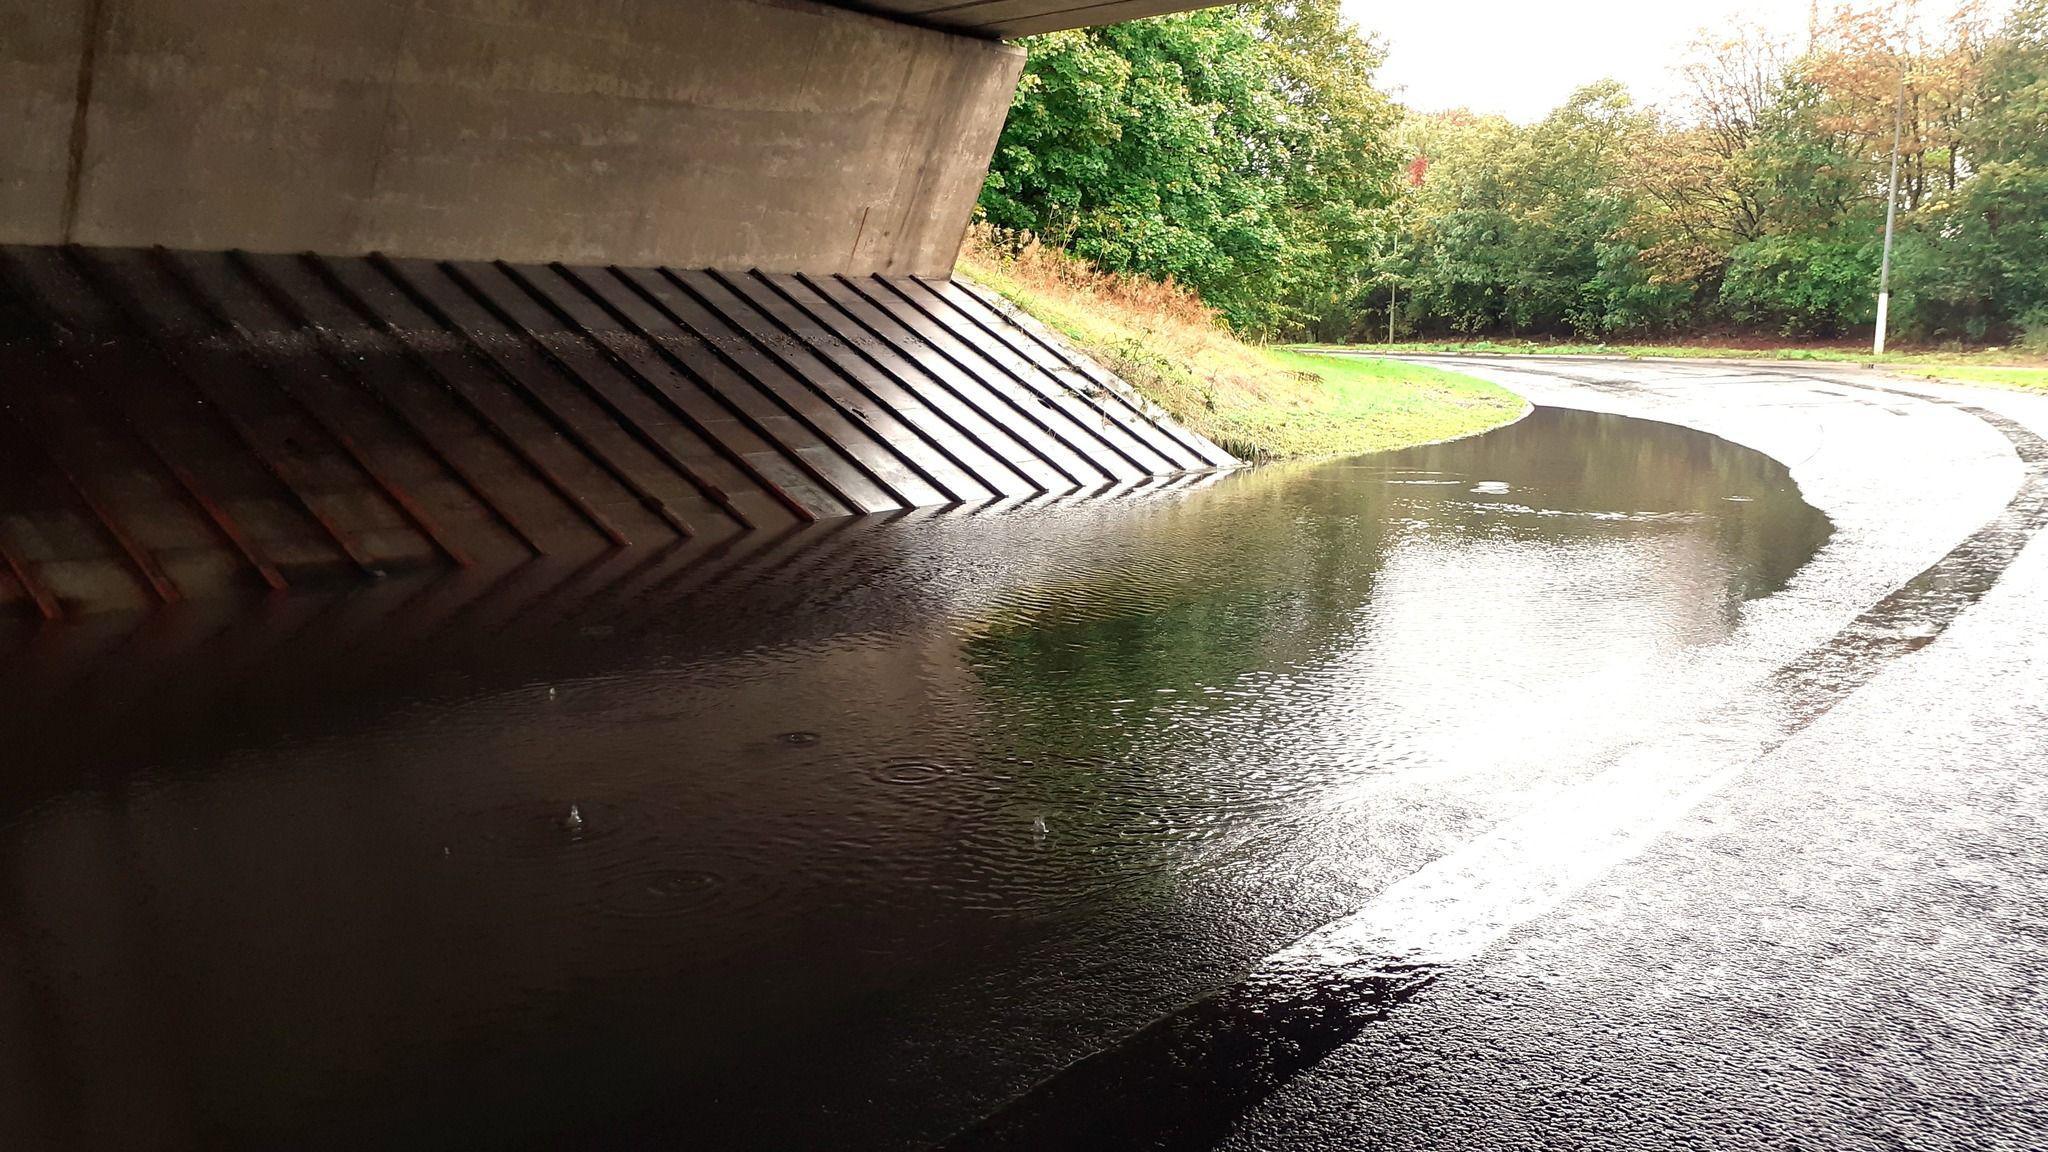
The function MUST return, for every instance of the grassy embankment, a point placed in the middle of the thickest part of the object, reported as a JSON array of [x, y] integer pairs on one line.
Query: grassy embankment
[[2002, 367], [1258, 403]]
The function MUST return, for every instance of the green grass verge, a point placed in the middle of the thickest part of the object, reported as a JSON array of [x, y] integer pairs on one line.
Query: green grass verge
[[2003, 376], [1257, 403], [1994, 366], [1831, 352], [1358, 404]]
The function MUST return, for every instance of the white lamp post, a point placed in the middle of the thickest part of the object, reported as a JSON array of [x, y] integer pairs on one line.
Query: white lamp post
[[1891, 212]]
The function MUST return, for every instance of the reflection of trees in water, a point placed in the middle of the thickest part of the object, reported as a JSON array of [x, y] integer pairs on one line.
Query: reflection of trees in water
[[1249, 577], [1662, 477], [1274, 566]]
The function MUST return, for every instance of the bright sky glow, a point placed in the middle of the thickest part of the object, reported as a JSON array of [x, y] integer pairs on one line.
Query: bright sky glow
[[1521, 59]]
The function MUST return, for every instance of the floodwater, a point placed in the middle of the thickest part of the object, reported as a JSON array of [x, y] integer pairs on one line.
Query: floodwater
[[839, 840]]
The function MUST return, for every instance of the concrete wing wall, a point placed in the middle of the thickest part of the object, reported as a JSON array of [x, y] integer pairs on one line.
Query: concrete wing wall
[[184, 424], [774, 134]]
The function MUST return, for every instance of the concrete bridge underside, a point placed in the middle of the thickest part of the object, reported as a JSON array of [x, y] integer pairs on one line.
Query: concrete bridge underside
[[782, 135], [589, 273]]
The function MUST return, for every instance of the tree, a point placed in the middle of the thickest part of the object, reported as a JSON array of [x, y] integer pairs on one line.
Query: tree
[[1236, 150], [1246, 153], [1978, 264], [1533, 229]]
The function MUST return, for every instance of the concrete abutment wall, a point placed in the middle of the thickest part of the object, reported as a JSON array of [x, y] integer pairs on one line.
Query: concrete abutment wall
[[772, 134], [296, 293]]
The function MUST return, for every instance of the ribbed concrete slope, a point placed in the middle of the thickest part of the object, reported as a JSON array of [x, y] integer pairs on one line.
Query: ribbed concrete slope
[[179, 424]]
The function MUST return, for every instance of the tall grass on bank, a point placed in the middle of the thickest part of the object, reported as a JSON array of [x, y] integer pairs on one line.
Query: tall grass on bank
[[1259, 403]]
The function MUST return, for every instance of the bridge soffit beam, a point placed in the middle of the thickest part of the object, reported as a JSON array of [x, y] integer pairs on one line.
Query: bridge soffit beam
[[1008, 19]]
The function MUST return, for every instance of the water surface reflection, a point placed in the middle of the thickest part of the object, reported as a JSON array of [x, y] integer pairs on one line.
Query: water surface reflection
[[834, 840]]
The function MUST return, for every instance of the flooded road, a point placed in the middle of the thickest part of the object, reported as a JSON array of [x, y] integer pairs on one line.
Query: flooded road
[[1302, 806]]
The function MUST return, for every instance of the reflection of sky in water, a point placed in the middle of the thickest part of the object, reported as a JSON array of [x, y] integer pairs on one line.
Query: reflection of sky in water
[[860, 810], [1255, 686]]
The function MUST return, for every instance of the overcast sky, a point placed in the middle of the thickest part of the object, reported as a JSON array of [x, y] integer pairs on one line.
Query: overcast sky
[[1522, 59]]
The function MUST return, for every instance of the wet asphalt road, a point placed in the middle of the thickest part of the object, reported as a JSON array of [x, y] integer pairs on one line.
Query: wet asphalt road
[[1838, 939], [1594, 783]]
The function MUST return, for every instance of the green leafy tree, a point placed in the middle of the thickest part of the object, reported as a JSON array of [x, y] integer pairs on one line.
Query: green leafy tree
[[1802, 285], [1245, 152], [1533, 229], [1976, 264], [1235, 150]]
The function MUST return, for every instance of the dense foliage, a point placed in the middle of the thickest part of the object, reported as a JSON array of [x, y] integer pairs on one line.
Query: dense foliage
[[1244, 152], [1237, 150]]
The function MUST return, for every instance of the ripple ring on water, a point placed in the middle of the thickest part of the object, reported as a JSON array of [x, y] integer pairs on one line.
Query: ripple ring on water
[[908, 773], [641, 895]]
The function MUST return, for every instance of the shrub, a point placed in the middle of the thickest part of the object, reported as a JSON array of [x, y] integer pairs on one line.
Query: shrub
[[2034, 331], [1803, 286]]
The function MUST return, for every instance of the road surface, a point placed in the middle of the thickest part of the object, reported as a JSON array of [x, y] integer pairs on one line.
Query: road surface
[[1812, 915]]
